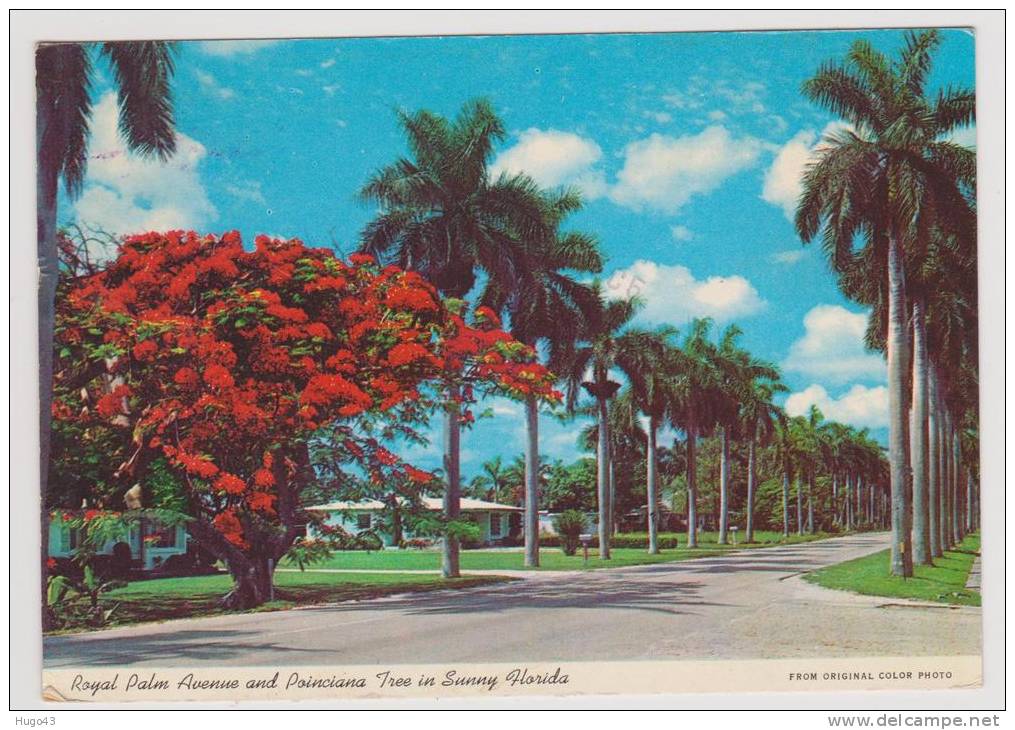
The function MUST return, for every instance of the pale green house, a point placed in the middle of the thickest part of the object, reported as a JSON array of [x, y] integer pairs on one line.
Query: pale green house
[[492, 518]]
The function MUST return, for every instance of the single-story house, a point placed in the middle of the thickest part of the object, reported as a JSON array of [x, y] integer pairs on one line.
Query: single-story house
[[161, 543], [355, 517], [546, 520]]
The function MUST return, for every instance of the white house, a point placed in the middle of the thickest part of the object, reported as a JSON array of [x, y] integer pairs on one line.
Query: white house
[[162, 542], [355, 517]]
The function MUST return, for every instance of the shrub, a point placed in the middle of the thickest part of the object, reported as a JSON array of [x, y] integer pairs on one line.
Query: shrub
[[569, 524]]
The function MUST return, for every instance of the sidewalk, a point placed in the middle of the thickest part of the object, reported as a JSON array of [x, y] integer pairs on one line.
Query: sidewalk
[[973, 582]]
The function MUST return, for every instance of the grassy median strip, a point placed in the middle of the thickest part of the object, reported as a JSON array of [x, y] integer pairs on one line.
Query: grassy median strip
[[550, 558], [944, 582], [173, 598]]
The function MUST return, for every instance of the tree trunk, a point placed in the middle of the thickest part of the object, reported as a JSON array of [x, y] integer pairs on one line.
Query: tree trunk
[[531, 482], [652, 489], [847, 502], [610, 510], [603, 479], [45, 191], [724, 487], [453, 493], [785, 501], [749, 537], [943, 459], [918, 440], [692, 489], [252, 584], [956, 503], [933, 471], [810, 504], [898, 451], [799, 505], [970, 520]]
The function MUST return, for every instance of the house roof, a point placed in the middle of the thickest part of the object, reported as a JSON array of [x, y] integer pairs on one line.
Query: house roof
[[431, 503]]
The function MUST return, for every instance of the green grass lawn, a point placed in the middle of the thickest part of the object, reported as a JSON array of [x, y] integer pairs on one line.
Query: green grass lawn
[[170, 598], [945, 582], [549, 558]]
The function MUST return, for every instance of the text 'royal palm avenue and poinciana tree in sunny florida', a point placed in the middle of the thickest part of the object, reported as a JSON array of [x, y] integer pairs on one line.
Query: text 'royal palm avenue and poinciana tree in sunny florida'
[[225, 363]]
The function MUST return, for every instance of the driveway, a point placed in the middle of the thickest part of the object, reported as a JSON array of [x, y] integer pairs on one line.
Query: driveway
[[748, 604]]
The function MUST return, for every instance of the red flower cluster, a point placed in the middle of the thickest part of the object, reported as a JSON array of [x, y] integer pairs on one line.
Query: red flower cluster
[[228, 356]]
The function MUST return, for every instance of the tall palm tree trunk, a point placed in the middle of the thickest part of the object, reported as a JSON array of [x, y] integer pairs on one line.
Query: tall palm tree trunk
[[946, 517], [692, 489], [970, 513], [652, 489], [453, 493], [751, 476], [898, 451], [785, 501], [603, 480], [933, 470], [956, 462], [612, 496], [943, 459], [918, 439], [46, 193], [810, 504], [531, 482], [724, 487]]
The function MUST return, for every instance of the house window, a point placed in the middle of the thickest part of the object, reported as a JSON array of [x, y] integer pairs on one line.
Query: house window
[[363, 521], [495, 526], [70, 538], [161, 536]]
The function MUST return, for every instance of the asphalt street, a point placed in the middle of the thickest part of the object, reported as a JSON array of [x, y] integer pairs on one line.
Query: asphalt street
[[748, 604]]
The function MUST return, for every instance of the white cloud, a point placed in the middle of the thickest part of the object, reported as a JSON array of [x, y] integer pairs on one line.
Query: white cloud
[[681, 233], [832, 347], [672, 294], [247, 191], [330, 89], [552, 158], [659, 117], [788, 257], [234, 48], [859, 406], [126, 194], [965, 136], [663, 172], [328, 64], [784, 179], [210, 86]]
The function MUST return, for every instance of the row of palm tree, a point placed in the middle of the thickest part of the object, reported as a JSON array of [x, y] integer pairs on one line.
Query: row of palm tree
[[892, 199], [443, 214]]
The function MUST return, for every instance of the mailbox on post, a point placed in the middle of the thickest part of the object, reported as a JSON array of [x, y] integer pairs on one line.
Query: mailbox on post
[[585, 539], [734, 529]]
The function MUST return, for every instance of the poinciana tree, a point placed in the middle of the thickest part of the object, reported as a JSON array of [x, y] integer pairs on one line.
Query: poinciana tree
[[225, 363]]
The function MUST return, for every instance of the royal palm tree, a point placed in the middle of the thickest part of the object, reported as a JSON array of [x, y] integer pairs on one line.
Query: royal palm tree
[[142, 73], [654, 361], [736, 371], [546, 305], [597, 350], [695, 395], [442, 215], [760, 418], [887, 179]]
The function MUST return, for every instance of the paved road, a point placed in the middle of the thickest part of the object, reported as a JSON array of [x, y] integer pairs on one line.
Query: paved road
[[749, 604]]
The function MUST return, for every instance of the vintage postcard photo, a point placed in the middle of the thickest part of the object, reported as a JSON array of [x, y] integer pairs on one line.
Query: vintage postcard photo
[[503, 365]]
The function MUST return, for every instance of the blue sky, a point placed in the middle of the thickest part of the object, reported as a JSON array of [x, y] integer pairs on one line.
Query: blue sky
[[688, 148]]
